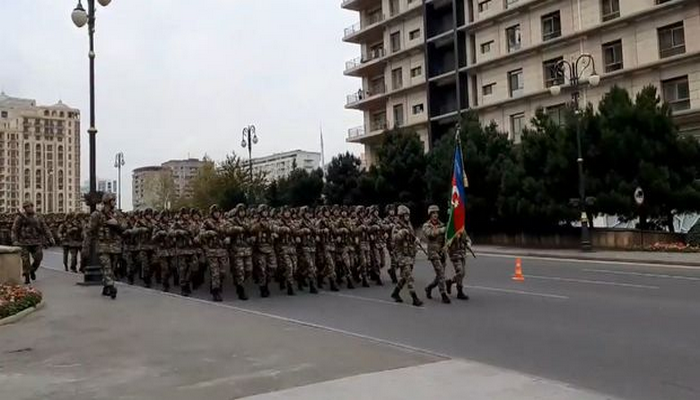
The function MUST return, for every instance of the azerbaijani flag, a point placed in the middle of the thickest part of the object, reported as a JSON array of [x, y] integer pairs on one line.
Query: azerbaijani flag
[[458, 198]]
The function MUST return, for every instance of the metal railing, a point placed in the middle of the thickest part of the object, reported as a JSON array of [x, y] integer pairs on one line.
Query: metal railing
[[361, 94], [378, 126], [351, 30], [356, 132], [354, 63], [372, 19]]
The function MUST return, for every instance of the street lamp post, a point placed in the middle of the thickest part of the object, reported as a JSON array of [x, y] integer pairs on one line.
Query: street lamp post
[[93, 271], [118, 164], [574, 71], [249, 139]]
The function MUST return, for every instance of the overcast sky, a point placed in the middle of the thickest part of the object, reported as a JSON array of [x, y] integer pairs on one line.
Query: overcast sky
[[181, 78]]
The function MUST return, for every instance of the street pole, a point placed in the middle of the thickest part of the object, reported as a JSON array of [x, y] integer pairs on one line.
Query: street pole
[[249, 139], [118, 164], [575, 70], [93, 271]]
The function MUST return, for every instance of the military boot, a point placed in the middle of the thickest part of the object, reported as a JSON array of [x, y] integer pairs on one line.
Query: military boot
[[166, 287], [364, 282], [460, 293], [147, 281], [290, 290], [416, 301], [185, 290], [216, 295], [378, 281], [334, 287], [301, 284], [350, 284], [445, 298], [319, 282], [240, 291], [105, 291], [448, 286], [130, 278], [429, 291], [283, 285], [264, 291], [113, 292], [26, 279], [32, 275], [396, 295]]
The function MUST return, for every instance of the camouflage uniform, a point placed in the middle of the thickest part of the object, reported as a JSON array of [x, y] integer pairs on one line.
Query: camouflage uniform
[[326, 250], [263, 230], [307, 250], [363, 247], [184, 251], [71, 236], [388, 227], [405, 247], [434, 232], [143, 232], [288, 260], [457, 252], [241, 249], [30, 232], [164, 250], [214, 243], [377, 243], [105, 231]]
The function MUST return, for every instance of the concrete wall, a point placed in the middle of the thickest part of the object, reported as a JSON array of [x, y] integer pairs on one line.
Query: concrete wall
[[10, 265]]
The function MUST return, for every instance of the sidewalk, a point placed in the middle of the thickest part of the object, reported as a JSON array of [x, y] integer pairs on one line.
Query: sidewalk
[[677, 259]]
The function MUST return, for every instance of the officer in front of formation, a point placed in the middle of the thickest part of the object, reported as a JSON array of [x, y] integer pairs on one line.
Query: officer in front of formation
[[31, 234]]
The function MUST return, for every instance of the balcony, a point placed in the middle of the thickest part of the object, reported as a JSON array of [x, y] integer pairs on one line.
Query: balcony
[[356, 132], [353, 66], [356, 5], [364, 31], [359, 134], [366, 97]]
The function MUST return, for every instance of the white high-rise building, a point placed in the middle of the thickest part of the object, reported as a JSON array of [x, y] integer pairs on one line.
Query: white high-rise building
[[280, 165]]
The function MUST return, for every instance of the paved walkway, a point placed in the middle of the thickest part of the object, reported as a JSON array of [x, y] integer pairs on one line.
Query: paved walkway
[[687, 259], [150, 345]]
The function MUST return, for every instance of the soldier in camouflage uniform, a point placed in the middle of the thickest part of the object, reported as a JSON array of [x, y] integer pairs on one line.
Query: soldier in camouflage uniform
[[307, 250], [164, 245], [143, 231], [343, 247], [240, 248], [377, 243], [326, 249], [214, 242], [434, 232], [70, 234], [362, 247], [184, 251], [287, 258], [199, 266], [263, 231], [131, 247], [30, 232], [105, 231], [457, 252], [405, 248], [388, 226]]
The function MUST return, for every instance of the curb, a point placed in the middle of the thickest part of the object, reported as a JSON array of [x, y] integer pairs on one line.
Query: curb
[[14, 318], [579, 258]]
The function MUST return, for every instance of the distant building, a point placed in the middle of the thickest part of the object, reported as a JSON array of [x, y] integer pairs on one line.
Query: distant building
[[184, 171], [39, 155], [106, 186], [280, 165], [145, 185]]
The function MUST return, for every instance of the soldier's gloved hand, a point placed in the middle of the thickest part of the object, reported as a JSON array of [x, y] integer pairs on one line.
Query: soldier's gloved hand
[[52, 242], [441, 231]]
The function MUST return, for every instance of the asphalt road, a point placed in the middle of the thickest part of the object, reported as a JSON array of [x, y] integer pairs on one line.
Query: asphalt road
[[627, 330]]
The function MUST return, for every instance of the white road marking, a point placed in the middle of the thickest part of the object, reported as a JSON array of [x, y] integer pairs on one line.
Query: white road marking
[[492, 289], [606, 271], [370, 299], [606, 283], [591, 261]]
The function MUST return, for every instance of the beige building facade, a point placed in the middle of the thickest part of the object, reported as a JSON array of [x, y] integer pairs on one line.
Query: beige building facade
[[145, 185], [183, 171], [39, 156], [495, 57], [280, 165]]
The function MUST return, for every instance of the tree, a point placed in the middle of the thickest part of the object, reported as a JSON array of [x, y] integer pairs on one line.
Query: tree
[[400, 171], [300, 188], [485, 152], [639, 146], [342, 179], [205, 186]]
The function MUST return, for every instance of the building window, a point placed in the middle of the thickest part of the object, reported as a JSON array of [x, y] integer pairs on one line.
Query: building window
[[513, 38], [38, 179], [552, 77], [418, 109], [610, 9], [394, 7], [484, 5], [414, 34], [398, 115], [60, 179], [27, 178], [551, 26], [612, 56], [671, 40], [677, 93], [27, 154], [395, 40], [417, 71], [397, 78], [37, 154], [515, 82], [486, 47], [517, 124], [488, 89], [556, 114], [3, 114]]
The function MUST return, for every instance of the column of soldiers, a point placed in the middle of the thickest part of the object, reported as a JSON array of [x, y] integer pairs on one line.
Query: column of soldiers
[[294, 248]]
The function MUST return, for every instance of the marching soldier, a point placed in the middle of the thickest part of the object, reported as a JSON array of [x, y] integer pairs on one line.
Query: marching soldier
[[242, 251], [184, 251], [214, 242], [288, 259], [388, 225], [457, 252], [264, 234], [71, 236], [307, 250], [434, 232], [327, 247], [164, 253], [105, 231], [405, 247], [30, 232]]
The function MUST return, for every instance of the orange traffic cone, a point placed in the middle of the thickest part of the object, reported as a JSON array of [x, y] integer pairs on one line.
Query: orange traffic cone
[[518, 271]]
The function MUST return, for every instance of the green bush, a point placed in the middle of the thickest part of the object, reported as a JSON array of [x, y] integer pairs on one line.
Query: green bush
[[14, 299], [694, 235]]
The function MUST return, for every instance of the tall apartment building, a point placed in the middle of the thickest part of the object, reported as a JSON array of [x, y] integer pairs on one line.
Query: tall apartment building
[[106, 186], [184, 171], [145, 183], [280, 165], [496, 57], [39, 155]]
